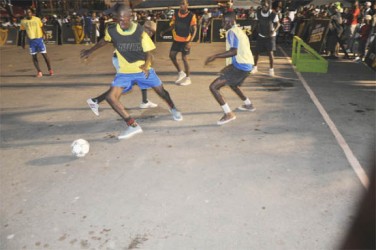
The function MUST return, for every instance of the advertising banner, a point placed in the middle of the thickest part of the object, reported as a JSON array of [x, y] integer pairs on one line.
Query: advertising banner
[[219, 34], [51, 34], [317, 33]]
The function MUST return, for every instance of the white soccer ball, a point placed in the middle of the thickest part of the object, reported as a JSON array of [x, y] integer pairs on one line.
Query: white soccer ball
[[80, 147]]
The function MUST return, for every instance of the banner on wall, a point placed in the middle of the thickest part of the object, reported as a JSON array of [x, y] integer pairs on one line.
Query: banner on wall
[[219, 34], [9, 36], [51, 34], [317, 34], [75, 34]]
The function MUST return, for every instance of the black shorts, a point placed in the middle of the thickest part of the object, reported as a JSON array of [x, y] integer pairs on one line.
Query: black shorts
[[265, 44], [180, 47], [233, 76]]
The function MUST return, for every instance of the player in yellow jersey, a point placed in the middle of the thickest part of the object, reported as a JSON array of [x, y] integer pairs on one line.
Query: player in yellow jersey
[[132, 47], [35, 32]]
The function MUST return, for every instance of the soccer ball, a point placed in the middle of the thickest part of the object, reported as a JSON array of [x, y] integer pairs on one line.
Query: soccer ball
[[80, 147]]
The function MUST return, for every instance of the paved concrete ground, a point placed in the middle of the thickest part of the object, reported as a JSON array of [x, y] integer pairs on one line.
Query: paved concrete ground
[[272, 179]]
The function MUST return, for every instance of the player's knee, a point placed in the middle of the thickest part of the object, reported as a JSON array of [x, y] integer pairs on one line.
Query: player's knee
[[213, 87]]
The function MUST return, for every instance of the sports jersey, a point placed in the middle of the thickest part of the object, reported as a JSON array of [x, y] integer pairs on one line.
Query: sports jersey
[[33, 27], [236, 38], [130, 46], [182, 26], [266, 21]]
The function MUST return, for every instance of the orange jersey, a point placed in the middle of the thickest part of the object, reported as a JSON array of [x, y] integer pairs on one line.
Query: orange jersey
[[182, 26]]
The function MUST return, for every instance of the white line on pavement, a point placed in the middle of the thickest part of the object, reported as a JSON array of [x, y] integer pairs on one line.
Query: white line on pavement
[[359, 171]]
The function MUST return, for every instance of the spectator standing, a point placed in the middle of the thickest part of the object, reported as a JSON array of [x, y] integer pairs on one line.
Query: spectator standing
[[286, 28], [335, 30], [352, 25], [205, 26], [77, 28], [364, 33], [58, 23], [88, 27]]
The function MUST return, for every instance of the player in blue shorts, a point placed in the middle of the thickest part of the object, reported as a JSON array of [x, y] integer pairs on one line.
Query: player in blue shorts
[[133, 47], [35, 32]]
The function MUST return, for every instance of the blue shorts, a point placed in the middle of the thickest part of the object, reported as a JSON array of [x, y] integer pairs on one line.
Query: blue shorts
[[126, 81], [37, 45]]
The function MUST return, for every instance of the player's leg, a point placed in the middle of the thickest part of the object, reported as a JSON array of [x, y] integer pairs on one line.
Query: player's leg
[[185, 57], [36, 65], [215, 87], [154, 82], [248, 105], [145, 101], [176, 47], [113, 98]]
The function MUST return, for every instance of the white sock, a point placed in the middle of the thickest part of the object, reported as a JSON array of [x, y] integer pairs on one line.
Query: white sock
[[226, 108], [271, 69], [247, 102]]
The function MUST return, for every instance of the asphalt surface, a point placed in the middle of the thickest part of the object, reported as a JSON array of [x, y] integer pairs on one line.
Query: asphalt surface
[[276, 178]]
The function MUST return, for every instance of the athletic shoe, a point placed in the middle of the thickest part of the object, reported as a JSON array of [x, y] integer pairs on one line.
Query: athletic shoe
[[147, 105], [249, 108], [181, 76], [271, 72], [130, 131], [228, 117], [186, 81], [94, 106], [51, 72], [254, 70], [39, 74], [176, 115]]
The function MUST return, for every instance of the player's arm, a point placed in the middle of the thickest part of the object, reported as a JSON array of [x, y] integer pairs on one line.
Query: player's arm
[[172, 26], [276, 24], [229, 53], [85, 53], [145, 67]]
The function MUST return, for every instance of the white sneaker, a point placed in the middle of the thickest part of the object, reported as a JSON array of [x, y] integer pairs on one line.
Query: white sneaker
[[147, 105], [271, 72], [254, 70], [176, 115], [130, 131], [181, 76], [186, 81], [94, 106]]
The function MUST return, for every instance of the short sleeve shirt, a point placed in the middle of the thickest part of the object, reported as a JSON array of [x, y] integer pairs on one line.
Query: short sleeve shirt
[[33, 27], [147, 45]]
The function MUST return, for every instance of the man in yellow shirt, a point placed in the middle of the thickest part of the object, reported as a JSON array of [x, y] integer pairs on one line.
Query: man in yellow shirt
[[133, 47], [183, 26], [34, 31]]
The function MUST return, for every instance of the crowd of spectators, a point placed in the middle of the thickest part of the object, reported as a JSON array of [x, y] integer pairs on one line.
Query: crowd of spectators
[[354, 25]]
